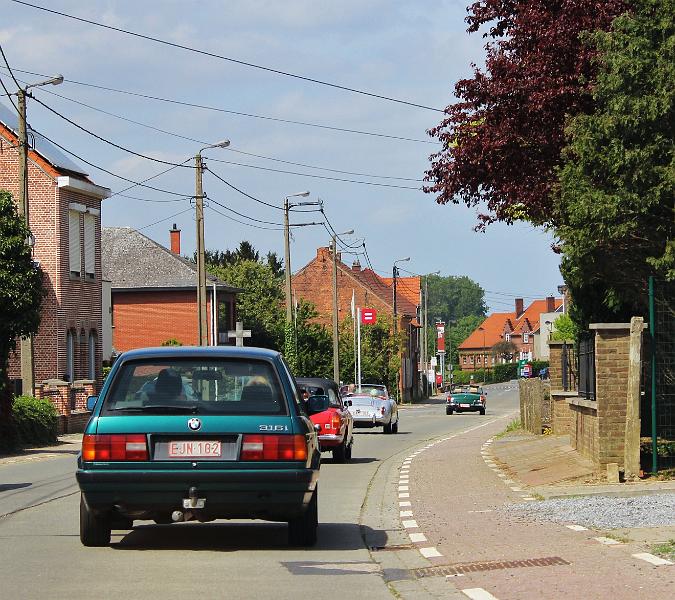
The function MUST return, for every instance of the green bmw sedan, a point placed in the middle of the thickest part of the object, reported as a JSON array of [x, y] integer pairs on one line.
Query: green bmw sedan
[[198, 434]]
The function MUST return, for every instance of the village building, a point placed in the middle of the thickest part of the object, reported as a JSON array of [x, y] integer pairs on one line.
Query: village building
[[153, 294], [522, 327], [314, 283], [65, 222]]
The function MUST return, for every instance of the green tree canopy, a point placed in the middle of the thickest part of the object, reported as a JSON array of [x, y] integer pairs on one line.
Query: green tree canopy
[[21, 295], [618, 181], [564, 329], [454, 297]]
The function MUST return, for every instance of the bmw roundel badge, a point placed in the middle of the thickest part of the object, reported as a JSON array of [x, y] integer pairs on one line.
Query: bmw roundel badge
[[194, 424]]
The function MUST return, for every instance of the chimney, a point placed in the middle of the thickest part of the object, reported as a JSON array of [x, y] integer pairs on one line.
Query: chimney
[[550, 304], [175, 239], [519, 307], [356, 265]]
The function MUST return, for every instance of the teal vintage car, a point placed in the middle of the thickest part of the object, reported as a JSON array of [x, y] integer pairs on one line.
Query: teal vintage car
[[468, 398], [197, 434]]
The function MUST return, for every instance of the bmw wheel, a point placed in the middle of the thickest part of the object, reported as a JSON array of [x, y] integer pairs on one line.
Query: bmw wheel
[[340, 452], [94, 529], [387, 428], [303, 529], [394, 427]]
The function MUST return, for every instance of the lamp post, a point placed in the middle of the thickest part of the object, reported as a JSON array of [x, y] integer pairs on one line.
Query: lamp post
[[484, 355], [336, 333], [425, 346], [201, 259], [27, 361], [395, 276]]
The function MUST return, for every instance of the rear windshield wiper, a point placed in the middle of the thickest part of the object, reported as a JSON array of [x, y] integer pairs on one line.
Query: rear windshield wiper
[[172, 408]]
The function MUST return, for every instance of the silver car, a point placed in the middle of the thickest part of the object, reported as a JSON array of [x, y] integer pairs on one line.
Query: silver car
[[374, 411]]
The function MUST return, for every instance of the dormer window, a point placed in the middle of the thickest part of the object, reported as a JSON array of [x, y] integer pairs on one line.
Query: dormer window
[[507, 337], [526, 338]]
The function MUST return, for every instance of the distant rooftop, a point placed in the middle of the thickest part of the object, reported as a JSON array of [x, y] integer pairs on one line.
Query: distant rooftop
[[52, 154], [132, 261]]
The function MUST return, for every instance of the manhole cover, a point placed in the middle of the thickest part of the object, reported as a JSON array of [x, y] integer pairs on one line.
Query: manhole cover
[[494, 565]]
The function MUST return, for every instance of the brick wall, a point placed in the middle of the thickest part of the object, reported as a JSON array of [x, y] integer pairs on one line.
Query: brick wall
[[584, 431], [69, 304], [561, 416]]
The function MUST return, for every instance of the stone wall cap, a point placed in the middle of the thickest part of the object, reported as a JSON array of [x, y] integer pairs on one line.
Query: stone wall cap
[[54, 382], [583, 402], [597, 326], [564, 394], [560, 342], [84, 381]]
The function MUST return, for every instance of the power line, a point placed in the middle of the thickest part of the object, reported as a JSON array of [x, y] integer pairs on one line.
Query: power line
[[147, 179], [197, 141], [243, 215], [243, 222], [238, 113], [227, 58], [164, 219], [314, 176], [151, 199], [243, 193], [107, 141], [91, 164]]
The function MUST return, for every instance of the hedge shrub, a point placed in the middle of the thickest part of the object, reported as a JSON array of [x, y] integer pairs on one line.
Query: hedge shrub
[[505, 372], [537, 366], [35, 419]]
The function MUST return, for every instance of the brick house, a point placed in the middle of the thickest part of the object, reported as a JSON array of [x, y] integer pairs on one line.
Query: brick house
[[314, 283], [520, 327], [153, 293], [65, 219]]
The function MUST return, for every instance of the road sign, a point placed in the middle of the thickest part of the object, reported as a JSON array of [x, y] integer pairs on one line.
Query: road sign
[[433, 361], [368, 316]]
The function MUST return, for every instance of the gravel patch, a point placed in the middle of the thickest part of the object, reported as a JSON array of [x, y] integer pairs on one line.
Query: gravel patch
[[603, 512]]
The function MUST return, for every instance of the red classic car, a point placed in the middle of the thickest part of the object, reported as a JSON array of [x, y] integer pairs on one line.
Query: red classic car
[[335, 424]]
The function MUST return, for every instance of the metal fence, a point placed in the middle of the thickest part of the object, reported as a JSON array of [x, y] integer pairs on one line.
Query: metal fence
[[586, 357], [568, 368], [658, 398]]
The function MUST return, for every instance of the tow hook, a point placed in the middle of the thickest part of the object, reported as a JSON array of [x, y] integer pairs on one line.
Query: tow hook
[[193, 501]]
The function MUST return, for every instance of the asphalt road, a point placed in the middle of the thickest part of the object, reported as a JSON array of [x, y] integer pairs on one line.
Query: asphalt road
[[42, 556]]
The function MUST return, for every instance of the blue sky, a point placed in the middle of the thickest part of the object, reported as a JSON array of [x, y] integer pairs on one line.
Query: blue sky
[[409, 50]]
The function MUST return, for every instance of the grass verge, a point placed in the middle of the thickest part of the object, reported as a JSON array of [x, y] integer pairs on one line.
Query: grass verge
[[514, 425], [666, 550]]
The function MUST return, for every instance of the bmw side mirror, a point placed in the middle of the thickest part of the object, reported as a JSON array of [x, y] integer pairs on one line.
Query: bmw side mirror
[[91, 402]]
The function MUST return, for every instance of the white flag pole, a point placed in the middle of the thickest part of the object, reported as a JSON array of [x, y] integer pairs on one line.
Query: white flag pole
[[354, 335], [358, 328]]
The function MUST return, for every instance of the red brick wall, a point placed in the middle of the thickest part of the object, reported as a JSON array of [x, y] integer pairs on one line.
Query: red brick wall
[[144, 319], [68, 304]]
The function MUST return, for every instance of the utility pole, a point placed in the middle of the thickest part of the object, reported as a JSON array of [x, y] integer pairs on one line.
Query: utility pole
[[287, 261], [336, 347], [201, 258], [26, 344]]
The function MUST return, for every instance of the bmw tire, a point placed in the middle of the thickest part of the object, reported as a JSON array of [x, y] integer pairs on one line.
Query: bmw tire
[[95, 529], [387, 428], [340, 452], [302, 531], [394, 427]]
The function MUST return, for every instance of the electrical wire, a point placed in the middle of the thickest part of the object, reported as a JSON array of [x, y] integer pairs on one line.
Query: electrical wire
[[91, 164], [9, 96], [151, 199], [314, 176], [237, 113], [243, 222], [107, 141], [164, 219], [191, 139], [148, 179], [243, 193], [243, 215], [227, 58]]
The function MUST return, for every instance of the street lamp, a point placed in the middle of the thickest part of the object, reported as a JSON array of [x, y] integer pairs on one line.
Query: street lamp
[[425, 347], [485, 367], [336, 359], [395, 276], [27, 363], [201, 259]]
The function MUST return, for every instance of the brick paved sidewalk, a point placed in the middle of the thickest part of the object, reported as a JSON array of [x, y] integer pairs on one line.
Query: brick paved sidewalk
[[465, 506]]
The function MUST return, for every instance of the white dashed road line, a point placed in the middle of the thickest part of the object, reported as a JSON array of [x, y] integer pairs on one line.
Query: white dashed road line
[[417, 537], [478, 594], [405, 503], [606, 541], [430, 552], [577, 527], [655, 560], [405, 513], [410, 524]]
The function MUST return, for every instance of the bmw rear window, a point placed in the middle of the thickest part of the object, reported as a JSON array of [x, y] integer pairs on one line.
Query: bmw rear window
[[196, 386]]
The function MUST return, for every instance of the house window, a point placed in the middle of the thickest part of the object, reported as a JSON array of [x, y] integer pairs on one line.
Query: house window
[[478, 359], [507, 337], [463, 359], [91, 354], [471, 359], [74, 243], [70, 355], [89, 246], [526, 338]]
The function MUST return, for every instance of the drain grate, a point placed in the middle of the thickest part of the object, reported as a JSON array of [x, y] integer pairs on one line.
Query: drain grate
[[391, 548], [494, 565]]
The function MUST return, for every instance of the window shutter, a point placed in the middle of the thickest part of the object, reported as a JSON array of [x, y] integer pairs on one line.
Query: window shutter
[[89, 245], [74, 248]]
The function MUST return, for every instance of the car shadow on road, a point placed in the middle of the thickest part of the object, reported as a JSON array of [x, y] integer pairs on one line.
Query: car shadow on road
[[230, 537], [371, 432], [355, 460], [5, 487]]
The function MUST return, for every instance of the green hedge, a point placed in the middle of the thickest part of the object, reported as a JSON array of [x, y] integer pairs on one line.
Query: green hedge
[[505, 372], [497, 374], [538, 365], [36, 420]]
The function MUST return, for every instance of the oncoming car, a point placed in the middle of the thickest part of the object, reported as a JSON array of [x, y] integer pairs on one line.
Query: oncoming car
[[235, 444], [468, 398]]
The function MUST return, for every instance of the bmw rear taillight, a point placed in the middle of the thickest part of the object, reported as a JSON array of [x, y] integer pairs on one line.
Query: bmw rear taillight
[[273, 447], [117, 446], [335, 422], [382, 410]]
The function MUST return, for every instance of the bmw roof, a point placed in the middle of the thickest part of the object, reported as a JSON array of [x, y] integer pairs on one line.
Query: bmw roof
[[210, 352]]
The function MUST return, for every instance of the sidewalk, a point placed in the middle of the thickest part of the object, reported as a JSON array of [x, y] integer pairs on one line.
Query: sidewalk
[[68, 444], [551, 468]]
